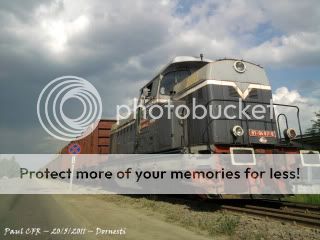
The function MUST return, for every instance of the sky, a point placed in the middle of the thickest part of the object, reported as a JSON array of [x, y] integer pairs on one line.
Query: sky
[[120, 45]]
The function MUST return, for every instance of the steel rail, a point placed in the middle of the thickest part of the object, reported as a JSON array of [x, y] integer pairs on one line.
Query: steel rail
[[302, 214]]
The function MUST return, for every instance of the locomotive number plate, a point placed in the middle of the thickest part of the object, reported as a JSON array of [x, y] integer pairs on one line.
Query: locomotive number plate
[[262, 133]]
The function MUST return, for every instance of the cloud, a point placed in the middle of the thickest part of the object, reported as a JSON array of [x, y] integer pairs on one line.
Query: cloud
[[28, 140], [296, 38], [306, 105], [293, 16], [120, 45], [298, 50]]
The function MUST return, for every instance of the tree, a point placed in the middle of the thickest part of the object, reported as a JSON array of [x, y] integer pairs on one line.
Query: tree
[[315, 128]]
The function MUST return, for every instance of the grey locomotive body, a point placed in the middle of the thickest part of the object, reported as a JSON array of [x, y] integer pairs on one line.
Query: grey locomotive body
[[231, 84]]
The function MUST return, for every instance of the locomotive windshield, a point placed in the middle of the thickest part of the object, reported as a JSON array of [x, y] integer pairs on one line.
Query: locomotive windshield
[[171, 79]]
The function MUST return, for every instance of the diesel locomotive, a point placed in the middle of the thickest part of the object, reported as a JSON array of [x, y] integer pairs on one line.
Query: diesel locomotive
[[230, 86]]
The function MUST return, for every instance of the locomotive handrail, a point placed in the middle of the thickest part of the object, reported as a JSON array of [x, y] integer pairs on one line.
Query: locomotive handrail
[[256, 102], [278, 122]]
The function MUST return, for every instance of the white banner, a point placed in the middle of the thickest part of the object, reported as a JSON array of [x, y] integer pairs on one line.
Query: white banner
[[160, 174]]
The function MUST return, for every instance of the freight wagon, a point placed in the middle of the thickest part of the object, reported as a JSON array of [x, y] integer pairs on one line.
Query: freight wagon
[[97, 142]]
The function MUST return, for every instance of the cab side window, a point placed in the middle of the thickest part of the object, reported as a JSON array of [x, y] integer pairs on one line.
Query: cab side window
[[171, 79], [147, 90], [167, 83], [180, 75]]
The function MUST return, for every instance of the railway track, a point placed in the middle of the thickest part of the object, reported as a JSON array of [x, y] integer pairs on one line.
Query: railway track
[[304, 214], [297, 213]]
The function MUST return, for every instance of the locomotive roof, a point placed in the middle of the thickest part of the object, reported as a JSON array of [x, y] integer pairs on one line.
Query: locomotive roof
[[180, 59], [235, 59]]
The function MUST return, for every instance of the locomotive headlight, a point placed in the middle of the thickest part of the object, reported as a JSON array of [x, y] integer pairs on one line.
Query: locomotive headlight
[[239, 66], [289, 133], [237, 131]]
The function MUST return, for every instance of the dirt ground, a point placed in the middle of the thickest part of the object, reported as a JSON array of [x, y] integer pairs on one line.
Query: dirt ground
[[137, 217], [54, 211]]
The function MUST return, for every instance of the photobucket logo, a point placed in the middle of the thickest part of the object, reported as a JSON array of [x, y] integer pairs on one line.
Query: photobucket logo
[[214, 110], [50, 108]]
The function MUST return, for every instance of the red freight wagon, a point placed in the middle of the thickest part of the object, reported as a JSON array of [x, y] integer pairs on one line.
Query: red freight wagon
[[98, 142]]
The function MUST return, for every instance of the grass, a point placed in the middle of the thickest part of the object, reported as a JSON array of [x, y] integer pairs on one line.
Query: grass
[[227, 224], [304, 198], [209, 219], [255, 236], [193, 217]]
